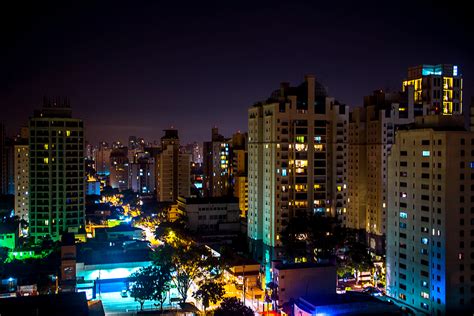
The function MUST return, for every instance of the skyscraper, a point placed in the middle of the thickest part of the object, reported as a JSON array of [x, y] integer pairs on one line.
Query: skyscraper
[[437, 89], [371, 134], [430, 222], [57, 177], [293, 157], [173, 175]]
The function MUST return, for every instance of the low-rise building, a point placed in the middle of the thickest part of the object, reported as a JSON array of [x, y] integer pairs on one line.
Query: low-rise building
[[297, 280], [8, 236], [349, 304], [123, 231], [219, 214]]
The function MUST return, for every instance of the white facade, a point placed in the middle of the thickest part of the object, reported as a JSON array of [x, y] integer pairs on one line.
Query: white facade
[[295, 157], [211, 214], [430, 221]]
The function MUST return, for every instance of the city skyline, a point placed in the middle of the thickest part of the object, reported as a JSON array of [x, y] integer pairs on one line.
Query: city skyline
[[122, 82]]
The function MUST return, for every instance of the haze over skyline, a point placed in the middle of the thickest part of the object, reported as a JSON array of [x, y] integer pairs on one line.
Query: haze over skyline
[[138, 68]]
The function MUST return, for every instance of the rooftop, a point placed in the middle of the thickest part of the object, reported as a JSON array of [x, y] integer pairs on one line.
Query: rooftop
[[306, 265], [210, 200]]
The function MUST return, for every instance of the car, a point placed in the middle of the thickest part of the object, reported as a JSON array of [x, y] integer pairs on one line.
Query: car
[[340, 290], [124, 293]]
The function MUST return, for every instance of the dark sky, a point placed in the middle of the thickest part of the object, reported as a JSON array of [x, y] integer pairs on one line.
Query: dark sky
[[137, 67]]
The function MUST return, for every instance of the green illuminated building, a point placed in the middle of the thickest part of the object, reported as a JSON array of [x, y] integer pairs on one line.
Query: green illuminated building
[[57, 178]]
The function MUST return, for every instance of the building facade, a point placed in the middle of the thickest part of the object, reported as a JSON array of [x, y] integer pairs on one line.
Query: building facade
[[371, 134], [430, 222], [437, 89], [22, 167], [293, 152], [220, 214], [173, 173], [56, 173]]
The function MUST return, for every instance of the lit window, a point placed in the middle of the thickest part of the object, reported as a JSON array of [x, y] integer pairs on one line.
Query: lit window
[[403, 215], [425, 295], [425, 153], [283, 172], [46, 160], [300, 139], [317, 139], [46, 146], [424, 241]]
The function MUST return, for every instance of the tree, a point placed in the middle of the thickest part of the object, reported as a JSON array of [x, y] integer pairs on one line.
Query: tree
[[359, 258], [143, 288], [209, 292], [189, 263], [231, 306], [162, 279]]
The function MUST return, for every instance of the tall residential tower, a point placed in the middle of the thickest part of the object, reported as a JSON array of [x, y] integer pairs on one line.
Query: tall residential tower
[[57, 178]]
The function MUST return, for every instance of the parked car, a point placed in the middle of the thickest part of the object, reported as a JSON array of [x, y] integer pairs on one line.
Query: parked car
[[124, 293]]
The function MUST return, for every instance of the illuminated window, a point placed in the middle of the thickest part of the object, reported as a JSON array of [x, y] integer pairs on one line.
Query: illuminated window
[[317, 139], [425, 295], [68, 133], [424, 241], [46, 146], [283, 172], [301, 163], [300, 139], [46, 160], [317, 186], [425, 153], [403, 215], [301, 147], [455, 70], [339, 188], [318, 147]]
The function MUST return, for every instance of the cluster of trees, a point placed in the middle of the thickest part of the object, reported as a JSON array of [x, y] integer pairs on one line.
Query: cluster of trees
[[182, 263], [319, 238]]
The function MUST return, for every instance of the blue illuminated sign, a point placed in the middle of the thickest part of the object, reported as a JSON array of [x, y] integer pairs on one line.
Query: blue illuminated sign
[[455, 70]]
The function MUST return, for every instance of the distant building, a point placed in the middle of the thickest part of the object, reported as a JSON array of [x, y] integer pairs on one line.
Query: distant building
[[21, 169], [142, 174], [437, 89], [301, 279], [217, 165], [172, 169], [219, 214], [93, 186], [119, 168], [102, 159], [239, 176], [429, 256], [57, 177]]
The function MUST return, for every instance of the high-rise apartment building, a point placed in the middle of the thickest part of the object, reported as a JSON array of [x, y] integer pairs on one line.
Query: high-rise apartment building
[[437, 89], [102, 159], [371, 134], [430, 222], [173, 174], [21, 169], [239, 171], [142, 174], [293, 154], [217, 165], [3, 163], [119, 168], [57, 177]]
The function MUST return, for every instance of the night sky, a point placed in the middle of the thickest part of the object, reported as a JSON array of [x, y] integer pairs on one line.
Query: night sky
[[137, 67]]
